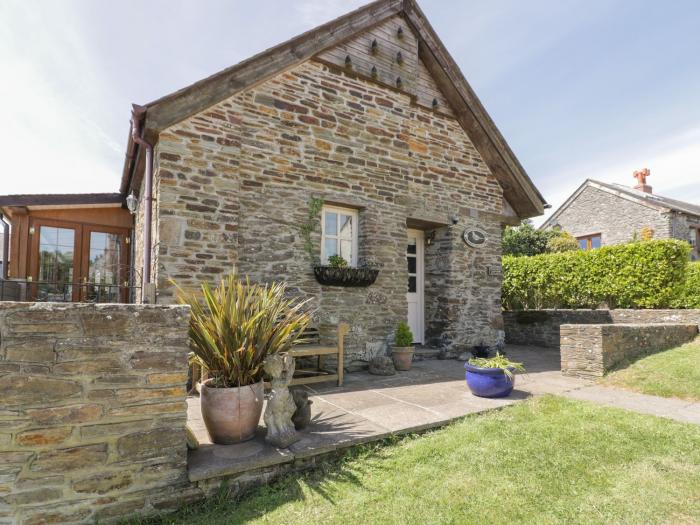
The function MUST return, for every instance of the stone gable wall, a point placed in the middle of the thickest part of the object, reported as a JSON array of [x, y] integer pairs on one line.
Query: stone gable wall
[[92, 422], [616, 218], [589, 351], [234, 184]]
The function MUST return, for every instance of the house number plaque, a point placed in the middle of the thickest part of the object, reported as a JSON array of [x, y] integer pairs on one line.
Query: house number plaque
[[474, 237]]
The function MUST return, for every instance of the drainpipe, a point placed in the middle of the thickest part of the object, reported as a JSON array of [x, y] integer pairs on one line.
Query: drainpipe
[[138, 113], [5, 247]]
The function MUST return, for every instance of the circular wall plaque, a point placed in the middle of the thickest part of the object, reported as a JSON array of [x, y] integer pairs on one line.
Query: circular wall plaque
[[474, 237]]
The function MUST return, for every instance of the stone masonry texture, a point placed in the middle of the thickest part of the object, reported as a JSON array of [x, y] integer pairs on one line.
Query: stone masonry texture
[[93, 411], [589, 351], [542, 327], [619, 219], [233, 185]]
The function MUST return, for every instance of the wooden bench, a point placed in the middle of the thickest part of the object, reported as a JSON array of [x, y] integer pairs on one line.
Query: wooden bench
[[310, 346]]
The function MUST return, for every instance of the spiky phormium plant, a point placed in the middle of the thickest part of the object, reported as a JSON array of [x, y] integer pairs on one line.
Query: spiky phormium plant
[[236, 325]]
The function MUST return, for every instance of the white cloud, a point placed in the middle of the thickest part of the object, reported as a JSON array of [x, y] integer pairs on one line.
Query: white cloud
[[48, 101], [674, 165]]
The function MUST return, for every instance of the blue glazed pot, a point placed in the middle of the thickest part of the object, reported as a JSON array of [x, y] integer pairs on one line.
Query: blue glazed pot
[[488, 382]]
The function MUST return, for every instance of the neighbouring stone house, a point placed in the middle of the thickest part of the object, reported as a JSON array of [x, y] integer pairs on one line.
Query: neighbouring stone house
[[370, 114], [602, 214]]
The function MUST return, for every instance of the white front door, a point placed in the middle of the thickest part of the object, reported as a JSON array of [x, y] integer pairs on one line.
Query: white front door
[[414, 297]]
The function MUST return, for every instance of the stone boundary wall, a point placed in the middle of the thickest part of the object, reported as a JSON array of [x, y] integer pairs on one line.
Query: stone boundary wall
[[93, 411], [542, 327], [589, 351]]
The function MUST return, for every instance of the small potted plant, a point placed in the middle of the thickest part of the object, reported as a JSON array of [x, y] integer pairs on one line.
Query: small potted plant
[[233, 328], [402, 354], [337, 261], [491, 377]]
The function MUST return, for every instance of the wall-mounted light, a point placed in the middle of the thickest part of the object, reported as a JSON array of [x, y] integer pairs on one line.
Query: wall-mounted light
[[430, 237], [399, 58], [374, 48], [399, 83], [374, 72], [399, 33], [348, 61], [435, 103], [132, 203]]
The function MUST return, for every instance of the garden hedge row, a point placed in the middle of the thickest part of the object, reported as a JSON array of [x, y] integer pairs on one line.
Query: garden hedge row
[[649, 274], [689, 296]]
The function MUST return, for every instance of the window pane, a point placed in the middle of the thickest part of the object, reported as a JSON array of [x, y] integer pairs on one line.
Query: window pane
[[595, 241], [55, 264], [103, 270], [411, 264], [583, 244], [65, 237], [412, 284], [48, 236], [346, 250], [411, 248], [346, 227], [331, 226], [331, 248]]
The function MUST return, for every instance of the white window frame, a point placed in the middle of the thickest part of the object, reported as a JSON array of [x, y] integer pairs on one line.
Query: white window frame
[[355, 230]]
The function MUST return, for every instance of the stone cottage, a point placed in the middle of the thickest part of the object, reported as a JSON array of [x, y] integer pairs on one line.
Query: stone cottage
[[362, 132], [601, 214]]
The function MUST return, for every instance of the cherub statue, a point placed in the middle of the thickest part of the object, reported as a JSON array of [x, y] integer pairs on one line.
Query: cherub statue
[[280, 404]]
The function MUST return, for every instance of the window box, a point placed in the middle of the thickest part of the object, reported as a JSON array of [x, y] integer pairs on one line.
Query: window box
[[345, 276]]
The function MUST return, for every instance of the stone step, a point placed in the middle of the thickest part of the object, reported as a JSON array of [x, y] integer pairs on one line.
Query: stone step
[[422, 353]]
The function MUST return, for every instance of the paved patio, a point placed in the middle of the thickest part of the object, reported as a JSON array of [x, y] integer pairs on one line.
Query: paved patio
[[369, 408]]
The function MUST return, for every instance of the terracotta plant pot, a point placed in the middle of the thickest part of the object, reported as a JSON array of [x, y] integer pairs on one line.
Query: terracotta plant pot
[[231, 415], [403, 357]]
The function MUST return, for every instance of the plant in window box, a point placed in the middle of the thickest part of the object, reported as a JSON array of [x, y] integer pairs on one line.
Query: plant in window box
[[402, 354], [337, 261], [339, 273]]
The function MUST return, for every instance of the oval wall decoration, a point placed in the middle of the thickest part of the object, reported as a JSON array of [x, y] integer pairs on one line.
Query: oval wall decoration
[[474, 237]]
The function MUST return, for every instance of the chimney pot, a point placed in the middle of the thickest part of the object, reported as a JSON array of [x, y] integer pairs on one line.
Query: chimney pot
[[641, 177]]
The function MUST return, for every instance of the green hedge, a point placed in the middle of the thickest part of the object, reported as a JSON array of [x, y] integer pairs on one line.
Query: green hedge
[[689, 296], [636, 275]]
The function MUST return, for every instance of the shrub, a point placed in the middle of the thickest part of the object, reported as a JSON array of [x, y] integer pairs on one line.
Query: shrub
[[525, 240], [337, 261], [636, 275], [403, 336], [236, 325], [562, 242], [689, 296]]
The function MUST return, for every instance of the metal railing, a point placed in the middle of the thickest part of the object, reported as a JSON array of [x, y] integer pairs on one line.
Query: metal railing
[[64, 292]]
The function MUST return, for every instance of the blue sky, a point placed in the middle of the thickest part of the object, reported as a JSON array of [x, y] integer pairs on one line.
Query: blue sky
[[594, 88]]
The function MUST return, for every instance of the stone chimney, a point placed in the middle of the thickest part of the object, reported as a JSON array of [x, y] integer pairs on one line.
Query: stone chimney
[[641, 177]]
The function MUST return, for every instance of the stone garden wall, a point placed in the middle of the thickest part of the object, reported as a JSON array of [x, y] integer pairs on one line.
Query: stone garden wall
[[542, 327], [93, 412], [588, 351]]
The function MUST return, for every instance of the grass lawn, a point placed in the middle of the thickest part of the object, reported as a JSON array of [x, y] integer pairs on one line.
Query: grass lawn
[[547, 460], [673, 373]]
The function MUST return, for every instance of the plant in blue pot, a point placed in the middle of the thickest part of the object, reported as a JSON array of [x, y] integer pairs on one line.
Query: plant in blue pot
[[491, 377]]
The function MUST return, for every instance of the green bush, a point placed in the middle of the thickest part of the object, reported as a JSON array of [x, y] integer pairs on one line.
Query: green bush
[[636, 275], [689, 296], [403, 336], [563, 242], [525, 239]]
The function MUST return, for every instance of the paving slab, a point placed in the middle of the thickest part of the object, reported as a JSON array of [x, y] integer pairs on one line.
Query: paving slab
[[369, 408], [672, 408]]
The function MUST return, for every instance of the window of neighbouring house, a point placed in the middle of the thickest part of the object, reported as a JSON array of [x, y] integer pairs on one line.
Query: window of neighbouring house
[[589, 242], [339, 234]]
